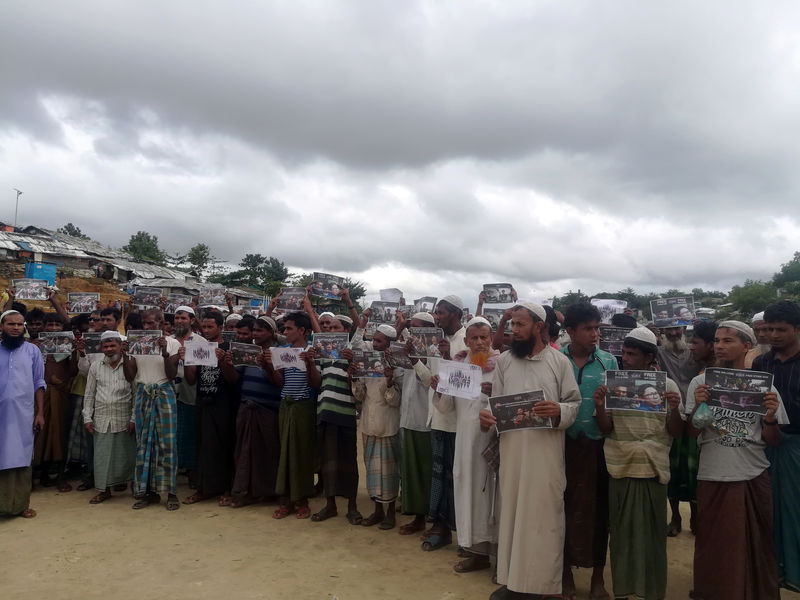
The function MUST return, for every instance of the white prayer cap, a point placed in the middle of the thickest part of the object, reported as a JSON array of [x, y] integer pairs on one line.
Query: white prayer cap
[[643, 334], [534, 307], [478, 321], [453, 301], [741, 327], [233, 317], [345, 319], [327, 313], [423, 316], [758, 317], [7, 313], [110, 335], [269, 321], [387, 330], [186, 309]]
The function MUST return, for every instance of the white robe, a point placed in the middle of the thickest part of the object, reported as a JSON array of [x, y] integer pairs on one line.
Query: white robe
[[530, 552]]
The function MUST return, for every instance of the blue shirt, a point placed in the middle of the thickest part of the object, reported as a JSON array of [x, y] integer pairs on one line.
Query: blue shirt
[[258, 389], [589, 378]]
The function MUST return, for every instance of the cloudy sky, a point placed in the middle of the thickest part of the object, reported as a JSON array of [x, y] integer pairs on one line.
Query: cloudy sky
[[430, 146]]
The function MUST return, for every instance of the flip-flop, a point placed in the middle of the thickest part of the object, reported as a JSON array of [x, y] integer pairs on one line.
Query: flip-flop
[[323, 515], [354, 517], [303, 512], [410, 528], [64, 487], [472, 563], [436, 541], [282, 512], [194, 498], [173, 503], [85, 485], [28, 513], [371, 520], [101, 497], [225, 501]]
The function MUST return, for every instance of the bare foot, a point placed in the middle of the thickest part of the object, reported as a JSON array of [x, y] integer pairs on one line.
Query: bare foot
[[28, 513]]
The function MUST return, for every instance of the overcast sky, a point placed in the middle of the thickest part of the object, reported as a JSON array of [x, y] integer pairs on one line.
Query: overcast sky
[[430, 146]]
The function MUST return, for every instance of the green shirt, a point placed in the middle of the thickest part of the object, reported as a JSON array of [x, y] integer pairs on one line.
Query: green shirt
[[589, 378]]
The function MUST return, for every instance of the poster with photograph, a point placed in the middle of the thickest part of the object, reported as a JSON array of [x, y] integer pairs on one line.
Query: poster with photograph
[[425, 304], [383, 312], [291, 298], [609, 307], [636, 390], [498, 293], [515, 411], [398, 356], [326, 285], [147, 297], [406, 309], [245, 355], [465, 316], [611, 339], [330, 345], [287, 358], [176, 300], [459, 379], [672, 312], [739, 390], [369, 330], [368, 363], [92, 341], [494, 315], [211, 296], [425, 341], [82, 302], [229, 337], [391, 295], [200, 353], [249, 310], [144, 342], [30, 289], [56, 342]]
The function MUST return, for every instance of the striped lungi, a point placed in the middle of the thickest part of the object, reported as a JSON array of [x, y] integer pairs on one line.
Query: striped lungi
[[156, 453], [382, 460]]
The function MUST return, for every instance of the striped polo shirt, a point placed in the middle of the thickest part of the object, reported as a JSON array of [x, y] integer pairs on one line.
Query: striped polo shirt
[[336, 402]]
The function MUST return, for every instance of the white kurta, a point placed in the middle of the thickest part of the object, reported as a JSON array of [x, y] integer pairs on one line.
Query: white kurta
[[473, 479], [530, 552]]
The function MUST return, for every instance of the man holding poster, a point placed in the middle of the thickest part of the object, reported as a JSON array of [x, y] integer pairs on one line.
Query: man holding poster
[[530, 555]]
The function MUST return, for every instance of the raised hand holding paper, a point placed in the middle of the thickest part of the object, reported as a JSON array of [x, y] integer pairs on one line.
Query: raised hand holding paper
[[286, 358], [462, 380]]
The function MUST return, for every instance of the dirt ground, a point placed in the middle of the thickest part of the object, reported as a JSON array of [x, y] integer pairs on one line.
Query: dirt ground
[[74, 550]]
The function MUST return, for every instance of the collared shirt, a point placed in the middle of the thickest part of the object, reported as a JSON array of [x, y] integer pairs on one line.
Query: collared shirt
[[150, 369], [589, 377], [108, 401], [786, 379]]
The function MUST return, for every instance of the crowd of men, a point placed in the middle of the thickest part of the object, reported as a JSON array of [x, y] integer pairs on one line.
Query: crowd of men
[[527, 505]]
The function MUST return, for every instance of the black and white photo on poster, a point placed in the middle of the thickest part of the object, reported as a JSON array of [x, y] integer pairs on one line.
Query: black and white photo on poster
[[398, 356], [30, 289], [368, 363], [176, 300], [211, 296], [738, 390], [383, 312], [672, 312], [147, 297], [200, 353], [515, 411], [494, 315], [82, 302], [498, 293], [425, 341], [91, 339], [55, 342], [636, 390], [245, 355], [425, 304], [406, 310], [326, 285], [465, 316], [249, 310], [287, 357], [229, 336], [611, 339], [330, 345], [369, 330], [609, 307], [291, 298], [459, 379], [144, 342], [391, 295]]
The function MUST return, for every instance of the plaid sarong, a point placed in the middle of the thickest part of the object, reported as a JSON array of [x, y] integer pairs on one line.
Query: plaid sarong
[[156, 425], [442, 508], [382, 460], [79, 448]]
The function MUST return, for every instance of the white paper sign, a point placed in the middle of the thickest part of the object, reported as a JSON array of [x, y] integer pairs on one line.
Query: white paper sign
[[200, 353], [609, 307], [462, 380], [286, 358]]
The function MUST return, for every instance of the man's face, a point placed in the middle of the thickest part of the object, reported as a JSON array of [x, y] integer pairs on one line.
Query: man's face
[[111, 348], [54, 326], [336, 326], [95, 321], [380, 341], [107, 323], [445, 319], [262, 334], [728, 346], [182, 322], [325, 323], [781, 335], [244, 335], [34, 327], [151, 322], [585, 335], [230, 325], [479, 339], [419, 323], [620, 391], [294, 335], [522, 325], [14, 325], [761, 329], [673, 334], [210, 330], [634, 359], [701, 351]]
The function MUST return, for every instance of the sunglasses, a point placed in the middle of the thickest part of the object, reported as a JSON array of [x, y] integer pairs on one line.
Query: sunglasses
[[93, 319]]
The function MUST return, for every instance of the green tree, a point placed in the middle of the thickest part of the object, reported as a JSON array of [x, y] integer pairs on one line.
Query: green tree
[[73, 230], [199, 258], [257, 271], [144, 246], [788, 278], [752, 297]]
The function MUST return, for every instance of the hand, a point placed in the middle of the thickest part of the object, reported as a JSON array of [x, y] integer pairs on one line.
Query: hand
[[347, 354], [506, 316], [673, 400], [308, 356], [388, 372], [307, 304], [514, 294], [162, 303], [400, 321], [182, 352], [51, 294], [89, 427], [38, 422], [547, 409], [344, 293], [11, 293], [444, 349], [701, 394], [364, 318], [482, 298], [228, 299], [487, 419], [772, 404], [599, 397], [220, 355], [486, 388], [228, 358], [80, 345], [434, 382], [273, 304], [131, 428]]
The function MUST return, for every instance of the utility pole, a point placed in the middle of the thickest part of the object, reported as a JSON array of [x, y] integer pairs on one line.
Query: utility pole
[[16, 208]]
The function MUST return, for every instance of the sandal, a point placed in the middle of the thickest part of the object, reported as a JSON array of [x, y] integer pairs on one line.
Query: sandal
[[63, 487], [240, 501], [472, 563], [28, 513], [282, 512], [354, 517], [436, 541], [410, 528], [303, 512], [371, 520], [85, 485], [195, 498], [225, 501], [323, 515], [101, 497], [387, 524], [172, 502]]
